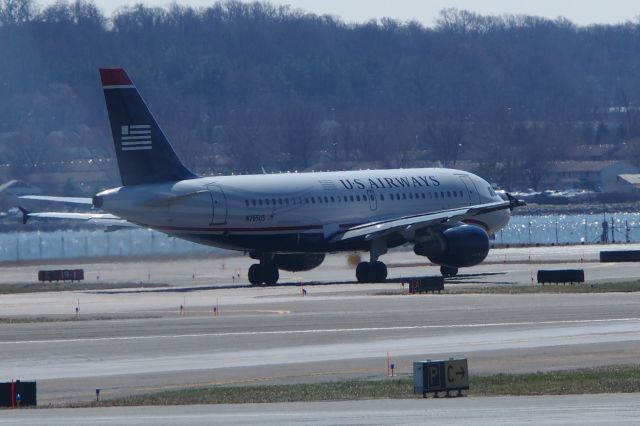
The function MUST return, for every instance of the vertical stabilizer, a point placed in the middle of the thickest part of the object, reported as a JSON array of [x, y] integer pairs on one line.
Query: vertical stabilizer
[[144, 153]]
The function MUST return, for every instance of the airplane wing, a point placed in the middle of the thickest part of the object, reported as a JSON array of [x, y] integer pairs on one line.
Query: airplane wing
[[410, 225], [72, 200], [110, 221]]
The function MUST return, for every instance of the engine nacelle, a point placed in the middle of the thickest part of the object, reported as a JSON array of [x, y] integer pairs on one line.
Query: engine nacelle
[[458, 247], [298, 262]]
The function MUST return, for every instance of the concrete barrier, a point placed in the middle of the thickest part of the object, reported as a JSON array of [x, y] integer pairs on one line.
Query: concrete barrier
[[61, 275], [620, 256], [561, 276]]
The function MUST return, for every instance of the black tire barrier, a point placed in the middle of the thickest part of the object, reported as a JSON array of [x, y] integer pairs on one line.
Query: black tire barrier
[[425, 284], [561, 276], [61, 275], [620, 256], [9, 394]]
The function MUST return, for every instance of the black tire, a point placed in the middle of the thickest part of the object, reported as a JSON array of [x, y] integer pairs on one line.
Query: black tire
[[255, 274], [448, 271], [378, 272], [363, 272], [270, 274]]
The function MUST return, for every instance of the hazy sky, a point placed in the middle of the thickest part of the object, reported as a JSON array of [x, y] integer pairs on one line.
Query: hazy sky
[[581, 12]]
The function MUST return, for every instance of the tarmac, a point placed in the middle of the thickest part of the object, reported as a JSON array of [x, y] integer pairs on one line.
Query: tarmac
[[137, 340]]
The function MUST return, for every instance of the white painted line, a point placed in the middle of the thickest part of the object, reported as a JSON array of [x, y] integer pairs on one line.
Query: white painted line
[[330, 330]]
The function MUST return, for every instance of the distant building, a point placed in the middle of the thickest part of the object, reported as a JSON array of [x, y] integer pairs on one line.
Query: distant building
[[629, 182], [597, 175]]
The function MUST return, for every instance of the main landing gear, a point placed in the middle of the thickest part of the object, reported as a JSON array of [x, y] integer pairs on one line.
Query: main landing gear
[[448, 271], [265, 272], [371, 272]]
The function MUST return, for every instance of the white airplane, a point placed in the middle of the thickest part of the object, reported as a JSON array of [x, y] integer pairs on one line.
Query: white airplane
[[289, 221]]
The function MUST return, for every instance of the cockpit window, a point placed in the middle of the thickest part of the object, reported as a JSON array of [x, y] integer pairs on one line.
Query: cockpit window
[[491, 191]]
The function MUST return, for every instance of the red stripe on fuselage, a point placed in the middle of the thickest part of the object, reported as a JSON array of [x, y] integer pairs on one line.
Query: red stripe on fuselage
[[265, 229]]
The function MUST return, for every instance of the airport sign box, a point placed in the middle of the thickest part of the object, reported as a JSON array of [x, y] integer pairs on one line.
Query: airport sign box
[[440, 376]]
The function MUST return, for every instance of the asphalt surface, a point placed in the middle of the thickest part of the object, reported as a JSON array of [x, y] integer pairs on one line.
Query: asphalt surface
[[621, 409], [136, 340]]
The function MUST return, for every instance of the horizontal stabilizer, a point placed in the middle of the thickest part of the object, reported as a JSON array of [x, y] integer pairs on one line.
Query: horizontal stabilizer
[[112, 222], [72, 200]]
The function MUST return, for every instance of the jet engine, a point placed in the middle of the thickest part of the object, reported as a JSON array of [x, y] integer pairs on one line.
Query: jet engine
[[458, 247], [298, 262]]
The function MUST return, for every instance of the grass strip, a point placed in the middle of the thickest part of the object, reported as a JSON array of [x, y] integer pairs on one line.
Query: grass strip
[[605, 287], [585, 381], [76, 286], [468, 288]]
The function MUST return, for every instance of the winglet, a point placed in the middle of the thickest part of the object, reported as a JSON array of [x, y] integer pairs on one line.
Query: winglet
[[25, 215], [514, 202], [114, 77]]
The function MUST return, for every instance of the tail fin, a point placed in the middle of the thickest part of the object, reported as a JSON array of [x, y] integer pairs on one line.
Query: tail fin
[[144, 153]]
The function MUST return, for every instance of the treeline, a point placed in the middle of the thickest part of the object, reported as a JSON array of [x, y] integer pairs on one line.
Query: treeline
[[247, 86]]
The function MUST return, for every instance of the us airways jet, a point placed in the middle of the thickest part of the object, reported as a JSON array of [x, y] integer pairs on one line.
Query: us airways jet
[[289, 221]]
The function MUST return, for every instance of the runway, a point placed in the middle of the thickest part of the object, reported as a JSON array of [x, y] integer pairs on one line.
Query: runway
[[276, 335], [623, 409]]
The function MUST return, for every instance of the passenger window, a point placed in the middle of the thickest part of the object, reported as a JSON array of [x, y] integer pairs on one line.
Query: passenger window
[[260, 202], [313, 200], [441, 194], [351, 197], [448, 194], [266, 201], [404, 196], [357, 198], [333, 200], [286, 200], [382, 197], [253, 202], [435, 194], [410, 196]]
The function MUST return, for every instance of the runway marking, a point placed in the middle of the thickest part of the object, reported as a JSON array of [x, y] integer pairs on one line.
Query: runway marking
[[328, 330]]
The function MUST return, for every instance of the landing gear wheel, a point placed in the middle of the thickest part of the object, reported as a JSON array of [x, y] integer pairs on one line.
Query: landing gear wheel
[[378, 272], [255, 274], [363, 270], [270, 274], [371, 272], [448, 271]]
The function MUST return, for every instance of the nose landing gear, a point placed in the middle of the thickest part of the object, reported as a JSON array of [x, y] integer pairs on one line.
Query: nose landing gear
[[448, 271], [265, 272]]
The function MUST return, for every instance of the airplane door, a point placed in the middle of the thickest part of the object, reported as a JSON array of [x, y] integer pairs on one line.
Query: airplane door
[[373, 201], [219, 204], [472, 191]]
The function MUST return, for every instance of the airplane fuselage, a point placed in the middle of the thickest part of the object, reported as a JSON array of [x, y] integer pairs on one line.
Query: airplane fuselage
[[298, 212]]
